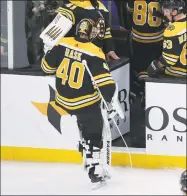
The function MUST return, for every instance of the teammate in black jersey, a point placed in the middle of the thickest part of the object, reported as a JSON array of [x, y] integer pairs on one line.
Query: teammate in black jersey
[[76, 10], [173, 60], [147, 37]]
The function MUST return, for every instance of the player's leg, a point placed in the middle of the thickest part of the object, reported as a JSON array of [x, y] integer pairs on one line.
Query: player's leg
[[90, 124], [135, 64], [138, 61], [144, 54]]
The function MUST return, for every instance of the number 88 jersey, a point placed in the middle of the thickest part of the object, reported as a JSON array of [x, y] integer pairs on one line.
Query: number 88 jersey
[[146, 27]]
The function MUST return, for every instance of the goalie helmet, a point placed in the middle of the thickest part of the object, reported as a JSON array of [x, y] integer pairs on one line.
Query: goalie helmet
[[86, 29], [183, 181], [172, 5]]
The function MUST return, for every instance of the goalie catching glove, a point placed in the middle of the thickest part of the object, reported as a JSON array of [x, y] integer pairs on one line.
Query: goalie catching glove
[[115, 106]]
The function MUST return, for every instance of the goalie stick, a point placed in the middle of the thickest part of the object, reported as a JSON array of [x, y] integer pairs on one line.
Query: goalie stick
[[107, 132]]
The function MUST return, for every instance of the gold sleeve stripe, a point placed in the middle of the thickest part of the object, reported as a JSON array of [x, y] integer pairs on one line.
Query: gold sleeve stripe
[[170, 59], [48, 71], [104, 80], [47, 66], [171, 55], [169, 62], [102, 76], [106, 83], [107, 36], [179, 69], [108, 29], [74, 100], [172, 72], [67, 13]]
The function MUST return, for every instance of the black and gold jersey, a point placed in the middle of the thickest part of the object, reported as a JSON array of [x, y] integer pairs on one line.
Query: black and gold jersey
[[147, 28], [75, 90], [76, 10], [174, 55]]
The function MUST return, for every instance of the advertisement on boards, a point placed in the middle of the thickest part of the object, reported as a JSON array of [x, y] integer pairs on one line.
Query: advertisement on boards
[[166, 119], [31, 118]]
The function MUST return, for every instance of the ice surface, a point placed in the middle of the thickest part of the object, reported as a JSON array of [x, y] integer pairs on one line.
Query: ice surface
[[68, 179]]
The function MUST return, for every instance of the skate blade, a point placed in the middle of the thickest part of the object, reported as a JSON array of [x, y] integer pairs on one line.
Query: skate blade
[[107, 177], [98, 185]]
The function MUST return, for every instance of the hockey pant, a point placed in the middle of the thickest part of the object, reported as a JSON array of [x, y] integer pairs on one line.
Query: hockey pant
[[143, 55]]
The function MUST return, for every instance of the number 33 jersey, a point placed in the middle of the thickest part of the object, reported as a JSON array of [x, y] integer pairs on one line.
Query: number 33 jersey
[[75, 91], [147, 28], [174, 55]]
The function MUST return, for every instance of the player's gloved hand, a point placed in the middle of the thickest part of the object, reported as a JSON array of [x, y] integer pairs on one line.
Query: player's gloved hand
[[155, 68], [115, 106]]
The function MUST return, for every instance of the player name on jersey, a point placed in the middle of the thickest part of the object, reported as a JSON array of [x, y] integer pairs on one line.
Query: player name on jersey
[[182, 38], [72, 54]]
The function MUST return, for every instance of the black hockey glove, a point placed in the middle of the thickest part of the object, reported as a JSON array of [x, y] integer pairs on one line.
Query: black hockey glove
[[155, 69]]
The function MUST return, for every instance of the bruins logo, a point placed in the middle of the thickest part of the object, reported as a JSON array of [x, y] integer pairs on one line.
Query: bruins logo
[[171, 27]]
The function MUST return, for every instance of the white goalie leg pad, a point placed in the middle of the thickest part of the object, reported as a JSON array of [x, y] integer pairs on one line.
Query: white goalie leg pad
[[107, 144], [56, 30], [84, 161], [81, 148], [116, 106]]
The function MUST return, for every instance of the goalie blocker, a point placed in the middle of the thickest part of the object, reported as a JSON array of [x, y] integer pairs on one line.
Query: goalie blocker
[[55, 31], [78, 95]]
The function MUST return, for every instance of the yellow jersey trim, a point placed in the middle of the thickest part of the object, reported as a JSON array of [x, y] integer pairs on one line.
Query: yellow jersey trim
[[87, 48], [175, 29], [106, 83], [171, 55], [102, 76], [67, 13], [87, 4]]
